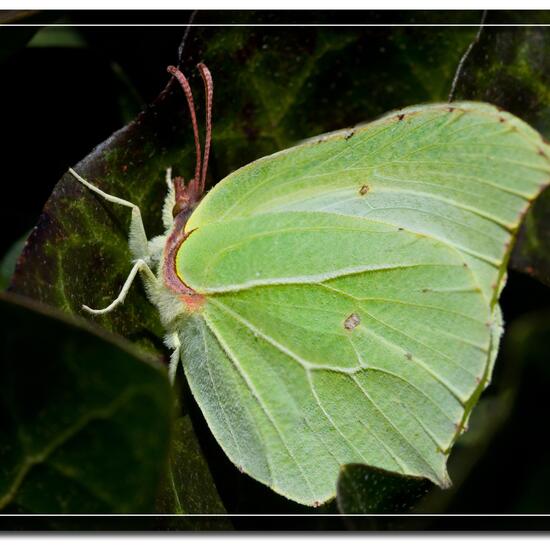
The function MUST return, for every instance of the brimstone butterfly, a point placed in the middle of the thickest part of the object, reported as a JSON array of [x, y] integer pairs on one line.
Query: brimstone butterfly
[[337, 302]]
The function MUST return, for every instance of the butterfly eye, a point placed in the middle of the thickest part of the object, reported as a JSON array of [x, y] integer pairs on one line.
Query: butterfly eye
[[180, 206], [182, 201]]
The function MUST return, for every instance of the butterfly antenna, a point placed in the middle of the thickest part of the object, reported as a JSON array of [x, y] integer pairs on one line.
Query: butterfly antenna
[[195, 183], [209, 92]]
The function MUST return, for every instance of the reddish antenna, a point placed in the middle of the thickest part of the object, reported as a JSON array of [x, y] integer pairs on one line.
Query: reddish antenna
[[194, 183], [208, 92], [197, 184]]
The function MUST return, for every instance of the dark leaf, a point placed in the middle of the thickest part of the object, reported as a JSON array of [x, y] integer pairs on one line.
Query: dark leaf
[[9, 261], [187, 486], [532, 252], [85, 421], [531, 354], [365, 490]]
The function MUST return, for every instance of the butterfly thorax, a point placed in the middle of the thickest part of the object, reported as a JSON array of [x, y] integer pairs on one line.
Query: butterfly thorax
[[172, 280]]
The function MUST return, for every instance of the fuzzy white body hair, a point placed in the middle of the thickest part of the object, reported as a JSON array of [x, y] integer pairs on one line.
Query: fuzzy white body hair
[[170, 307]]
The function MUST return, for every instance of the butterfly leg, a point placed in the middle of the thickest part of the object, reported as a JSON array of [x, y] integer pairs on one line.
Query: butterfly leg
[[173, 342], [138, 239], [169, 202], [149, 279]]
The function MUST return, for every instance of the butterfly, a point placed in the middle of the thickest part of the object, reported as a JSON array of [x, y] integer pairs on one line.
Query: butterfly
[[337, 302]]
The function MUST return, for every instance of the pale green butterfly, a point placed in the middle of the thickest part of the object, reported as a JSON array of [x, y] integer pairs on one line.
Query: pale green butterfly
[[337, 302]]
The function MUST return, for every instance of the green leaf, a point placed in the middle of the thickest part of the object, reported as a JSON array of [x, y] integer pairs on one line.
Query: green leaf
[[303, 360], [57, 37], [85, 421]]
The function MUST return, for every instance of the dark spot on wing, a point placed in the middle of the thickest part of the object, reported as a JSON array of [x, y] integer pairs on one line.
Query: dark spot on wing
[[349, 134], [352, 321]]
